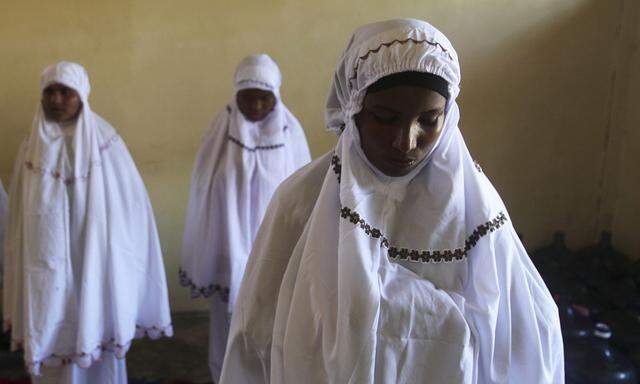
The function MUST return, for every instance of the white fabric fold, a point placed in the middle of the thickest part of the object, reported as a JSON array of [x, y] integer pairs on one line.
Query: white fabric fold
[[419, 278], [83, 270]]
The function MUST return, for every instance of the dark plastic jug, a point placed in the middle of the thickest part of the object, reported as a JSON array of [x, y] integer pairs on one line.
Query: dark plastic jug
[[606, 273], [589, 357], [555, 262]]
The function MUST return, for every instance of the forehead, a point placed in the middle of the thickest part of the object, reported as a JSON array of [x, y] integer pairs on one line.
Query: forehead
[[57, 87], [405, 98], [254, 93]]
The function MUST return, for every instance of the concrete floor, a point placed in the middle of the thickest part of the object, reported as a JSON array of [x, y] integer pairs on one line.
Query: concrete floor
[[182, 358]]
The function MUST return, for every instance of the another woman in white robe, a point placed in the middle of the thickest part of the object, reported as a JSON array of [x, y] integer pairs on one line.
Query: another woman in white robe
[[84, 273], [392, 259], [252, 146]]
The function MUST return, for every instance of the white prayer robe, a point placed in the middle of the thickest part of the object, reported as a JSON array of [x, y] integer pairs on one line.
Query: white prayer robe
[[238, 167], [84, 273], [108, 370], [412, 279]]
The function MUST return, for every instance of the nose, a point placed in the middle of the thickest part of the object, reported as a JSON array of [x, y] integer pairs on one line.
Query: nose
[[55, 98], [258, 105], [406, 138]]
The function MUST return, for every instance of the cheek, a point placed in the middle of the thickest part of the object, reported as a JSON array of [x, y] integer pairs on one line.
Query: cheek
[[242, 106], [48, 105], [372, 135], [242, 102], [428, 139], [75, 105]]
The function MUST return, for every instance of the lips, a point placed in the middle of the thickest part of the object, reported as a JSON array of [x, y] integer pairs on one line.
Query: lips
[[253, 115], [402, 162]]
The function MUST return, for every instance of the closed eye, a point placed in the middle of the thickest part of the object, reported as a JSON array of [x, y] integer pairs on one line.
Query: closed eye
[[430, 119], [383, 117], [430, 122]]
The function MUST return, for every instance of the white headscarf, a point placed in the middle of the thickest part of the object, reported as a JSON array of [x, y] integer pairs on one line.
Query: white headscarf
[[401, 279], [84, 269], [238, 168]]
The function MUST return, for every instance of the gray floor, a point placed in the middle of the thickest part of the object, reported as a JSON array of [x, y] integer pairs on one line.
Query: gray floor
[[182, 358]]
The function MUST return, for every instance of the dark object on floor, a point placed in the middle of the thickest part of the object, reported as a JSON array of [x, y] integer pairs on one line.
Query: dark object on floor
[[11, 363], [611, 281], [555, 263], [589, 356], [606, 273], [597, 295]]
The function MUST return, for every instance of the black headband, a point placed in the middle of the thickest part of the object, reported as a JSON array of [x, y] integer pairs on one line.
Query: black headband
[[418, 79]]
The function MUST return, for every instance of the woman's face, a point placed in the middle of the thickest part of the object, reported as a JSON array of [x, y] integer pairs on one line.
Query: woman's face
[[255, 104], [399, 126], [60, 103]]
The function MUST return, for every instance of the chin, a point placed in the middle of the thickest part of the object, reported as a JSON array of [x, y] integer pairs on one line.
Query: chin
[[394, 171], [399, 173], [391, 168], [254, 119]]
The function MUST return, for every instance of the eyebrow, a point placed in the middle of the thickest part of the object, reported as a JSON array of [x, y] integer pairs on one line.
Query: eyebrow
[[56, 87], [380, 106]]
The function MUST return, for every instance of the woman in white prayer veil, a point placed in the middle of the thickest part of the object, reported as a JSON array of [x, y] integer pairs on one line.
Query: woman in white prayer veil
[[392, 258], [251, 147], [84, 274]]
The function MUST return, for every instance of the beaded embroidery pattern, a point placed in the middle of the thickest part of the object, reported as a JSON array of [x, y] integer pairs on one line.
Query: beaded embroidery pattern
[[88, 358], [71, 179], [262, 83], [256, 148], [207, 291], [388, 44], [478, 167], [415, 255]]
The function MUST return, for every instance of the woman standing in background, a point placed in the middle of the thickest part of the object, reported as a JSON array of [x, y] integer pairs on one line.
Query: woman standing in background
[[83, 272], [252, 146]]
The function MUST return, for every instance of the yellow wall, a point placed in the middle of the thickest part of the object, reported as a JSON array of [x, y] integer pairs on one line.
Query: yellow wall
[[535, 95], [624, 200]]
